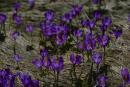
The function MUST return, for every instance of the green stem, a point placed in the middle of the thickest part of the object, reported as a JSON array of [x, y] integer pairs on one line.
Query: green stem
[[4, 29], [91, 70], [57, 79], [91, 75], [104, 49], [97, 68], [14, 48], [0, 28], [31, 38], [74, 71]]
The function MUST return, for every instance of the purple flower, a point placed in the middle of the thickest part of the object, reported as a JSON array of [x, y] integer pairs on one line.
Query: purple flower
[[44, 53], [47, 29], [81, 45], [17, 19], [117, 32], [2, 18], [57, 64], [29, 28], [76, 59], [78, 33], [46, 62], [64, 28], [12, 80], [97, 58], [91, 24], [31, 3], [96, 1], [103, 40], [4, 77], [103, 28], [54, 29], [67, 17], [88, 23], [35, 83], [17, 57], [85, 23], [76, 9], [27, 81], [106, 21], [37, 63], [51, 29], [125, 75], [89, 42], [16, 6], [15, 35], [102, 81], [49, 15], [61, 39], [97, 15], [7, 79]]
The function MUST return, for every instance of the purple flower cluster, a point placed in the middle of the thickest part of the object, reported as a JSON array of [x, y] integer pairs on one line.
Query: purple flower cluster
[[17, 19], [102, 81], [44, 61], [76, 60], [58, 32], [27, 81], [56, 64], [7, 79], [76, 9], [3, 18]]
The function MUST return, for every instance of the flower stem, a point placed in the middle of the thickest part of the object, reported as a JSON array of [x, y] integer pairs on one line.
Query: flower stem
[[104, 55], [57, 79], [124, 84], [14, 49], [31, 38], [0, 27], [97, 68], [4, 29], [90, 75], [74, 71], [90, 79]]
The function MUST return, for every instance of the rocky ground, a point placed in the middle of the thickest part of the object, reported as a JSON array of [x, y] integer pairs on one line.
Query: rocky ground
[[118, 53]]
